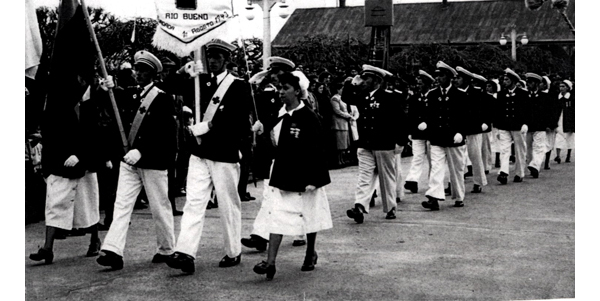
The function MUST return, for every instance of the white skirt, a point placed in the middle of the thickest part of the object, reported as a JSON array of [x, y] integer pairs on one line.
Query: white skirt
[[72, 203], [565, 140], [297, 213]]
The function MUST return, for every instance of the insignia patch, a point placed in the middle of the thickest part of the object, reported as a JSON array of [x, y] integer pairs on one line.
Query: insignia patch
[[208, 84], [142, 109], [216, 100]]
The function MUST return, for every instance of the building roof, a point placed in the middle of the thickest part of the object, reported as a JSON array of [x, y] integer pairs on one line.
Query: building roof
[[468, 22]]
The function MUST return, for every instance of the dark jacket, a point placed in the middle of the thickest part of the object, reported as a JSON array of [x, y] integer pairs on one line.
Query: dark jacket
[[382, 123], [478, 106], [552, 109], [538, 120], [417, 108], [230, 124], [568, 111], [300, 161], [446, 116], [267, 107], [511, 110]]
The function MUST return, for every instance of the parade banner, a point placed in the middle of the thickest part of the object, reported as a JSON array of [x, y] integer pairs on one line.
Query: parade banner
[[185, 25]]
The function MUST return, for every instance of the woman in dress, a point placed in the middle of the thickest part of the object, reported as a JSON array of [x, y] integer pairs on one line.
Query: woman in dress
[[566, 122], [298, 176], [340, 123]]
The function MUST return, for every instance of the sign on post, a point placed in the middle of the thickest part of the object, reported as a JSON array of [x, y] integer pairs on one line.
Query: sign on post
[[379, 13]]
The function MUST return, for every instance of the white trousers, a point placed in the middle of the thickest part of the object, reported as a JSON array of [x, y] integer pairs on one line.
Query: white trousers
[[131, 180], [486, 151], [455, 158], [399, 189], [419, 149], [550, 140], [373, 164], [203, 175], [474, 149], [72, 203], [536, 149], [505, 140]]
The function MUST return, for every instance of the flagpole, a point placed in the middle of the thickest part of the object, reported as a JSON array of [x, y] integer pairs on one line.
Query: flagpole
[[105, 75]]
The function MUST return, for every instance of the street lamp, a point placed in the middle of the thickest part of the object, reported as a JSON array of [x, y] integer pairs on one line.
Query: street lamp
[[266, 6], [513, 41]]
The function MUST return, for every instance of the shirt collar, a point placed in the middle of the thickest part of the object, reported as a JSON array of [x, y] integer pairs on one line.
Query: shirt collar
[[464, 90], [513, 90], [445, 90], [283, 111], [566, 96], [146, 88], [221, 76], [373, 92]]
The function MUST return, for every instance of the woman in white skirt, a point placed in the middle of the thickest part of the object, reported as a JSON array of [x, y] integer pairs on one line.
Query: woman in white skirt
[[565, 138], [298, 176]]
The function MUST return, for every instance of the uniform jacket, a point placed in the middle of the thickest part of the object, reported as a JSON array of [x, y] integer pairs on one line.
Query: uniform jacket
[[340, 114], [552, 109], [568, 111], [382, 123], [300, 161], [417, 108], [478, 106], [445, 117], [511, 110], [538, 121], [230, 124]]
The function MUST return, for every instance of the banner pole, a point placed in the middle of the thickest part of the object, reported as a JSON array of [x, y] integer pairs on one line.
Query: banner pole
[[105, 75]]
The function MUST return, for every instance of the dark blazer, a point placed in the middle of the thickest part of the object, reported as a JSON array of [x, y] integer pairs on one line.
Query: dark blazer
[[568, 110], [446, 116], [230, 124], [478, 106], [538, 119], [382, 123], [552, 109], [300, 161], [511, 110], [267, 107], [417, 108]]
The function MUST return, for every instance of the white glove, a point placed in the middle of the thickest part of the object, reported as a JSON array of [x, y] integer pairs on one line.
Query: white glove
[[458, 138], [524, 129], [258, 127], [132, 157], [422, 126], [71, 161], [410, 137], [200, 129], [109, 165], [357, 80], [309, 188], [107, 83], [484, 127], [193, 68]]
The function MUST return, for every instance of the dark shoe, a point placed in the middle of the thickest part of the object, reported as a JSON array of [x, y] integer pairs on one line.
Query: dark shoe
[[76, 232], [534, 172], [557, 160], [431, 204], [264, 268], [546, 167], [476, 189], [487, 172], [512, 159], [248, 197], [469, 172], [448, 191], [518, 179], [391, 214], [503, 178], [411, 186], [356, 213], [255, 242], [110, 259], [103, 227], [459, 204], [141, 205], [94, 249], [42, 254], [177, 212], [568, 159], [160, 258], [229, 262], [299, 242], [182, 262], [398, 200], [309, 263]]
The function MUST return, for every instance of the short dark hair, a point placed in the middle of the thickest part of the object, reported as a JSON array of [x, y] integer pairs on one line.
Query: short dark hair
[[290, 79]]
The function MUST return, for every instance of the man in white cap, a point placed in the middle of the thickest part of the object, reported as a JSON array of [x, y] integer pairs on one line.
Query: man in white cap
[[475, 126], [486, 103], [552, 109], [417, 109], [152, 142], [445, 126], [537, 124], [381, 131], [225, 109], [511, 113]]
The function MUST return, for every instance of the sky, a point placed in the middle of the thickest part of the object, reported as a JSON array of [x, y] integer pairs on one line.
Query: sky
[[145, 8]]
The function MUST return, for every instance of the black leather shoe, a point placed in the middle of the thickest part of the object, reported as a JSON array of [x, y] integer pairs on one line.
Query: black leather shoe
[[487, 172], [356, 213], [546, 167], [459, 204], [476, 189], [534, 172], [229, 262], [568, 159], [503, 178], [110, 259], [181, 261], [255, 242], [448, 191], [94, 249], [398, 200], [391, 214], [76, 232], [160, 258], [264, 268], [431, 204], [299, 242], [309, 263], [518, 179], [42, 254], [411, 186], [557, 160]]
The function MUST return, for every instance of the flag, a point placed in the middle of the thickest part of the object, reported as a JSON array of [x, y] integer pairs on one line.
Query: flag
[[33, 40], [186, 25]]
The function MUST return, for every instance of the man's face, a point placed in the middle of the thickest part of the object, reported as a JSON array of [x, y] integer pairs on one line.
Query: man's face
[[532, 85], [507, 82], [489, 88], [563, 88], [421, 85], [461, 81], [442, 79], [300, 68], [368, 83], [216, 62], [143, 74], [353, 72], [274, 76]]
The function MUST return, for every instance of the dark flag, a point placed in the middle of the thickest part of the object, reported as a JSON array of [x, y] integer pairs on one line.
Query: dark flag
[[71, 72]]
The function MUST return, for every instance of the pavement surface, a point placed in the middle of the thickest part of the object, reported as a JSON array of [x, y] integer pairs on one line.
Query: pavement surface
[[511, 242]]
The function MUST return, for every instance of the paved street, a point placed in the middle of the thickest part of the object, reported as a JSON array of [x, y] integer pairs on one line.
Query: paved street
[[511, 242]]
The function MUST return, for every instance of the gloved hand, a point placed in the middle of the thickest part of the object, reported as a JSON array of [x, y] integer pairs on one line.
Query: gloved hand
[[258, 127], [200, 129], [107, 83], [71, 161], [109, 165], [132, 157], [193, 68], [410, 137], [309, 188], [524, 129], [484, 127], [458, 138], [422, 126]]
